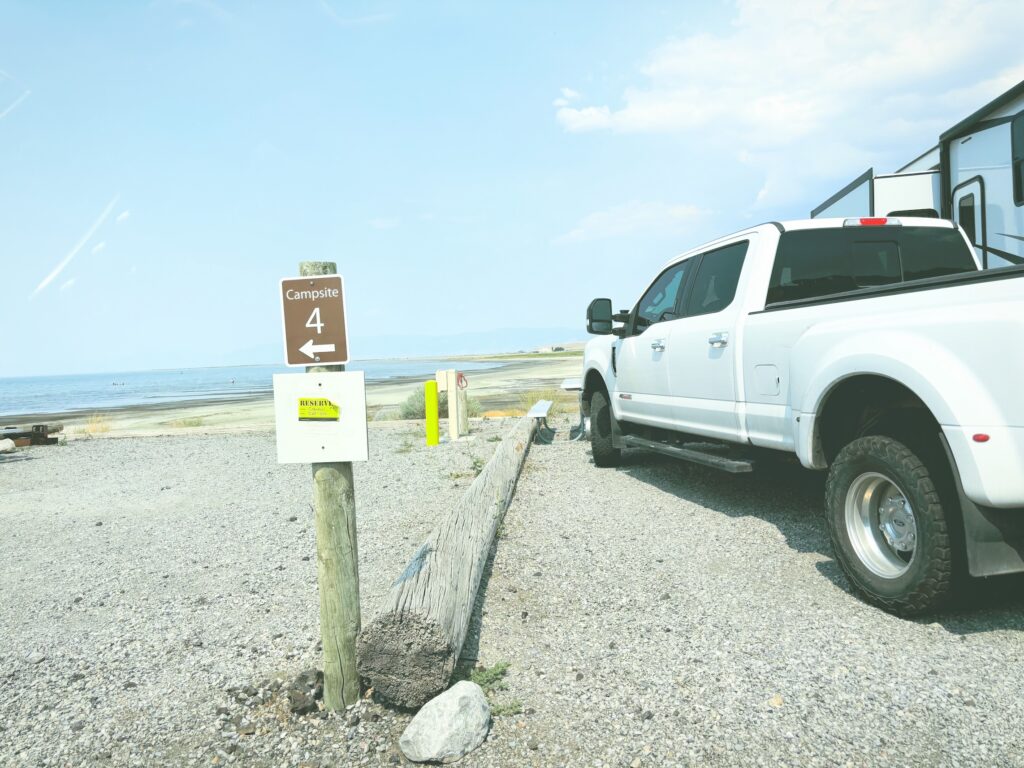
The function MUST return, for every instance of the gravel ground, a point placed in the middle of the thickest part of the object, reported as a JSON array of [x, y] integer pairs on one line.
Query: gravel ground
[[141, 577], [658, 614]]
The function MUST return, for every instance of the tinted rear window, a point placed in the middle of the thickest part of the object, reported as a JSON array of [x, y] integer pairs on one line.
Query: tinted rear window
[[818, 262]]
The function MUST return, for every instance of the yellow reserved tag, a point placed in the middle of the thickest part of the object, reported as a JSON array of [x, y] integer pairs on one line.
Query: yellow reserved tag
[[318, 409]]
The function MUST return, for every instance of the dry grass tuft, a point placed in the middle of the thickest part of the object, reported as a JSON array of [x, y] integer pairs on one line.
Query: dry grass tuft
[[562, 402], [191, 421], [96, 424]]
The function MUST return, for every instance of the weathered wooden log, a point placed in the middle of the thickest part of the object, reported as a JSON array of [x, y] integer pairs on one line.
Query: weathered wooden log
[[409, 651], [37, 434]]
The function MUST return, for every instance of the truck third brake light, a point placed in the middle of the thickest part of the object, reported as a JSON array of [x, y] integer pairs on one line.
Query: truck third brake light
[[872, 222]]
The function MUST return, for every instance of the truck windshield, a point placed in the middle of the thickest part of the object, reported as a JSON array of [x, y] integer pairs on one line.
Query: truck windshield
[[820, 262]]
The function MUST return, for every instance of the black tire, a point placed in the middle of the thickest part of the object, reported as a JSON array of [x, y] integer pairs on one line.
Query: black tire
[[902, 583], [601, 432]]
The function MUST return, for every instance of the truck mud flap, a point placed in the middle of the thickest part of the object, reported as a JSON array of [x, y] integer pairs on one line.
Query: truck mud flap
[[994, 538]]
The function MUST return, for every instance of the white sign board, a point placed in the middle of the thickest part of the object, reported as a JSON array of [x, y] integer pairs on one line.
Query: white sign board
[[320, 417]]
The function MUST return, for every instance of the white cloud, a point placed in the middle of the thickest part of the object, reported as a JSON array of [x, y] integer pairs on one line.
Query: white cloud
[[123, 215], [98, 247], [833, 82], [74, 251], [568, 97], [630, 218], [67, 284], [385, 222]]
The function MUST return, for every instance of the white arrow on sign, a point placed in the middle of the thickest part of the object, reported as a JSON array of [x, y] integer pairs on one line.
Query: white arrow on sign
[[310, 350]]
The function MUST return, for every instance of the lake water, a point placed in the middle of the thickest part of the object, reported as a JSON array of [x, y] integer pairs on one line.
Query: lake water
[[102, 391]]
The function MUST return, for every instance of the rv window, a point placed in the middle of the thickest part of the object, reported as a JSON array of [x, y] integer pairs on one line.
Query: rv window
[[923, 213], [1018, 182], [1017, 154], [965, 217], [819, 262]]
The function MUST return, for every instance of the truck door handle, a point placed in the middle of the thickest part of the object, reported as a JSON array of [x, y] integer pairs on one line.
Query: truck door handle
[[718, 340], [658, 345]]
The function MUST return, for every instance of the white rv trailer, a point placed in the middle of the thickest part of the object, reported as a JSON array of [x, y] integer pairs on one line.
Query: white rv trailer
[[974, 176], [904, 193]]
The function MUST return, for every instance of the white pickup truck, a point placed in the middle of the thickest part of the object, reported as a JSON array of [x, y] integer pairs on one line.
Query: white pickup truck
[[875, 349]]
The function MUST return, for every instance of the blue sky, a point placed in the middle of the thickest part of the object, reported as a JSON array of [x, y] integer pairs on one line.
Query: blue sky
[[471, 167]]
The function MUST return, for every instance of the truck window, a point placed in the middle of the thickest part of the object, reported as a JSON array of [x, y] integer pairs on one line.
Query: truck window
[[714, 287], [819, 262], [662, 297], [934, 253], [874, 262]]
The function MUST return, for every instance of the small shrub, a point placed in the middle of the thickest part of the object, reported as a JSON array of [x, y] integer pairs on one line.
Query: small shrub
[[405, 447], [415, 405]]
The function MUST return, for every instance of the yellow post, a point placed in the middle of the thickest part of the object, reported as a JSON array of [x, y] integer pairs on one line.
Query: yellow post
[[430, 398]]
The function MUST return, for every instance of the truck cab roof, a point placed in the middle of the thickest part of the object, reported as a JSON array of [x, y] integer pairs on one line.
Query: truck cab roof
[[793, 225], [905, 221]]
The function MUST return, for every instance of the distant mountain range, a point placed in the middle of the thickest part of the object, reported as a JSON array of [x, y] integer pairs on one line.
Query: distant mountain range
[[411, 345]]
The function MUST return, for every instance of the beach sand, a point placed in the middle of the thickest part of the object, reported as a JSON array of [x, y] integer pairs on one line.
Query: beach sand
[[499, 391]]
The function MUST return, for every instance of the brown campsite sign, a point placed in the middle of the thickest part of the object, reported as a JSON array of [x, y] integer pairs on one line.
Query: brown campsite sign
[[313, 309]]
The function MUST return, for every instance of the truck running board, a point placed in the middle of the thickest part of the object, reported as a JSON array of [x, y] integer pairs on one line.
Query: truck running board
[[697, 456]]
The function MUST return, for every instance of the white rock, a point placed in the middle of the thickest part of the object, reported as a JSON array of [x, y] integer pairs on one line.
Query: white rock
[[449, 726], [7, 445]]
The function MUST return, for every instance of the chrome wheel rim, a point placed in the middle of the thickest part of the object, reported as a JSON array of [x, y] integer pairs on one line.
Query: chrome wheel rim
[[880, 525]]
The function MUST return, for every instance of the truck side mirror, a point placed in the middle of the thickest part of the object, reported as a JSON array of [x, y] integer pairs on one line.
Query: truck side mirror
[[599, 316]]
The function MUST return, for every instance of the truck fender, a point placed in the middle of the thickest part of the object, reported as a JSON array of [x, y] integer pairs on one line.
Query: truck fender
[[598, 370], [950, 390]]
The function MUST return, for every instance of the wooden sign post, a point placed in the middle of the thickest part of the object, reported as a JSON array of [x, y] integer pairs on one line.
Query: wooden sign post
[[337, 557]]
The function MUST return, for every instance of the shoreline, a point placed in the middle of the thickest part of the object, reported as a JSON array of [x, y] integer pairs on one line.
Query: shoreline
[[498, 389]]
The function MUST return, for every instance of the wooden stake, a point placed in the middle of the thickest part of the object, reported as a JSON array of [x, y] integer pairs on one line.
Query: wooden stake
[[463, 401], [337, 558], [451, 384]]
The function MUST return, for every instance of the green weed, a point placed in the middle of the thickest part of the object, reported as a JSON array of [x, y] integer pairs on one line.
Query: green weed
[[490, 678], [514, 707]]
